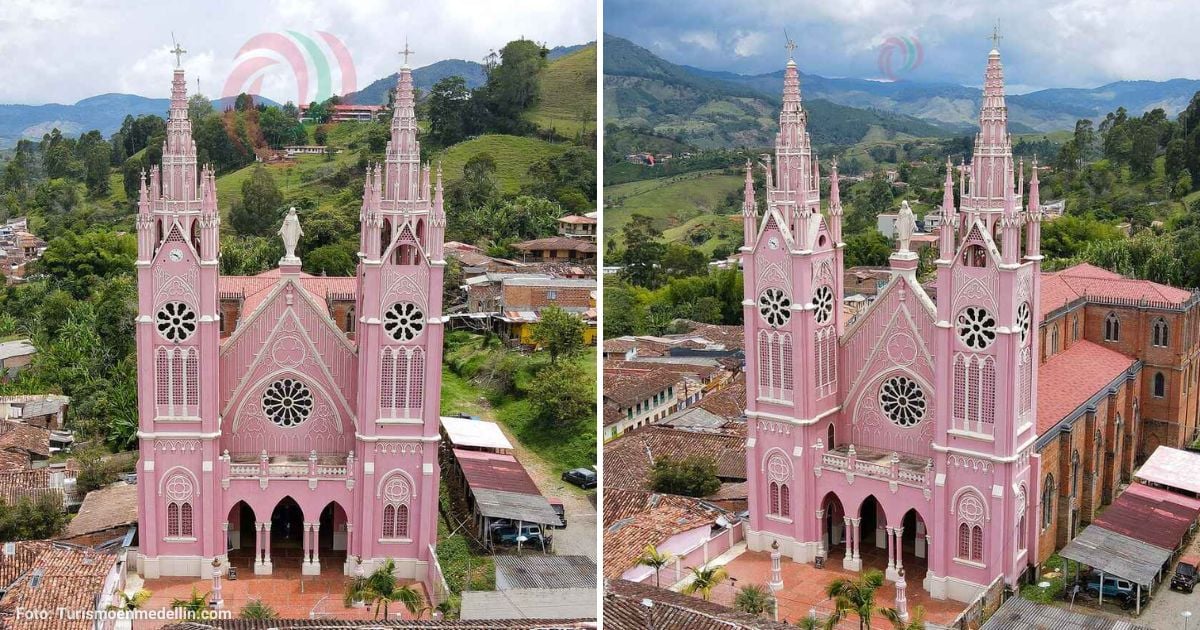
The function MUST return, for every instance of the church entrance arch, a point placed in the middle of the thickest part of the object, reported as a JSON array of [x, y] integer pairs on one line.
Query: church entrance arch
[[833, 526], [287, 533], [332, 536], [873, 535]]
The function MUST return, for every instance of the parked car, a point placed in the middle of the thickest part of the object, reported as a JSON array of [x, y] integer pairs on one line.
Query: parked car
[[583, 477], [1115, 588], [556, 504], [1186, 574], [509, 535]]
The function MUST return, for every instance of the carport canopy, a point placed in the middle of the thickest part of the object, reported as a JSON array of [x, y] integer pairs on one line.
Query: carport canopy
[[1117, 554]]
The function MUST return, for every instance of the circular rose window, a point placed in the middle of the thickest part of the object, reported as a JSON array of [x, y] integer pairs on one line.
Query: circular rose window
[[976, 327], [775, 307], [287, 402], [823, 300], [176, 321], [404, 321], [1023, 320], [902, 400]]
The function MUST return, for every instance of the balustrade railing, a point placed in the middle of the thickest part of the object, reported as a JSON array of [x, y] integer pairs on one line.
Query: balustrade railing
[[896, 471], [266, 468]]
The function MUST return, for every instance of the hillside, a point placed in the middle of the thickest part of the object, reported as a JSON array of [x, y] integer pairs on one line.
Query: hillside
[[567, 94], [423, 78], [957, 107], [682, 206], [105, 112], [513, 155], [642, 90]]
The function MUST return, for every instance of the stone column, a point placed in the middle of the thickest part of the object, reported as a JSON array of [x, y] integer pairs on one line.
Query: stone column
[[889, 538], [776, 583], [216, 589], [309, 566], [848, 560], [899, 549], [821, 533], [854, 542], [262, 548], [901, 600]]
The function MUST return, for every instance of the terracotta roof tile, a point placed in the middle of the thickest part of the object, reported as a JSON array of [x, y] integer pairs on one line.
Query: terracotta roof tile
[[1073, 376], [624, 610], [628, 459], [63, 576], [257, 288], [627, 390], [729, 401], [22, 437], [634, 519], [106, 508], [1061, 287], [558, 242], [25, 482]]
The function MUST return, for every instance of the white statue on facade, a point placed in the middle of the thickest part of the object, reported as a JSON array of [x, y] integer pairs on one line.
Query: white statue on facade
[[906, 224], [291, 232]]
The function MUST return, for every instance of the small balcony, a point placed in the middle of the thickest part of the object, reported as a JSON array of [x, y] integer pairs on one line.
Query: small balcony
[[893, 467], [266, 466]]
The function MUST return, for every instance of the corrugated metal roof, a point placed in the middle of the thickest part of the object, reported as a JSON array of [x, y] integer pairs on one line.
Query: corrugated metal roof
[[1151, 517], [516, 506], [492, 471], [475, 433], [545, 572], [1116, 554], [532, 603], [1019, 614], [1173, 468]]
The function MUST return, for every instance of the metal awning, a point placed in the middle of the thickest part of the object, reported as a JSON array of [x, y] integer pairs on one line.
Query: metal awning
[[1117, 554], [516, 506], [1173, 468]]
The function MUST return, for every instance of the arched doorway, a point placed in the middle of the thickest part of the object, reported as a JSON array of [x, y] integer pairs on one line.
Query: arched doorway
[[332, 536], [873, 539], [240, 535], [833, 528], [914, 547], [287, 533]]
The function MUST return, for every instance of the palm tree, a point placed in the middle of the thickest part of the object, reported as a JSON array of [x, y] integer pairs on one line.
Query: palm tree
[[704, 580], [381, 589], [193, 605], [855, 596], [125, 601], [754, 599], [256, 609], [916, 621], [655, 560]]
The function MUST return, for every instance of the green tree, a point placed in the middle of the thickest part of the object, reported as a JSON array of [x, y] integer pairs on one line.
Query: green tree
[[512, 86], [681, 261], [562, 395], [651, 557], [95, 471], [705, 580], [855, 596], [867, 249], [198, 107], [193, 606], [558, 332], [691, 476], [754, 599], [97, 168], [80, 261], [259, 211], [132, 602], [381, 588], [256, 609], [449, 107], [643, 255], [330, 260], [32, 518]]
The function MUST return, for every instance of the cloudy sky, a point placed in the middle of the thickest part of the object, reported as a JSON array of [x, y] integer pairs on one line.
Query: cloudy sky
[[1046, 43], [66, 50]]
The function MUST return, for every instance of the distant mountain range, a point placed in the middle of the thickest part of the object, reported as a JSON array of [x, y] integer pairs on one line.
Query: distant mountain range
[[106, 112], [951, 107]]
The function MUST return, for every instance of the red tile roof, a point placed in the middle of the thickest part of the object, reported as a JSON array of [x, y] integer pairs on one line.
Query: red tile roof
[[106, 508], [557, 242], [1061, 287], [634, 519], [1151, 517], [627, 390], [25, 482], [729, 401], [1073, 376], [20, 437], [493, 471], [64, 576], [257, 288], [624, 609], [629, 459]]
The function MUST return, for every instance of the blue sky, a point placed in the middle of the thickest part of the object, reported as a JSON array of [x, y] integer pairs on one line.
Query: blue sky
[[65, 50], [1046, 43]]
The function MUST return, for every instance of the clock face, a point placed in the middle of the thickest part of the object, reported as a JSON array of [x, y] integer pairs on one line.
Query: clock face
[[773, 243], [176, 254]]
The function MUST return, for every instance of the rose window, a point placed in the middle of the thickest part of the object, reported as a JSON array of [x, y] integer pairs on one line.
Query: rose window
[[404, 321], [287, 402], [775, 307], [902, 400], [1023, 320], [176, 321], [976, 327], [396, 490], [179, 488], [823, 300]]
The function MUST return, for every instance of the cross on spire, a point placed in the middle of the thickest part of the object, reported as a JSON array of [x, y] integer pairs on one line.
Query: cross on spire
[[406, 52], [996, 36], [178, 51], [790, 45]]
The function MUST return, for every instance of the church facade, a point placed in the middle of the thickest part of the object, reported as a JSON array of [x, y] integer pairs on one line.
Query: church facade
[[287, 418], [902, 438]]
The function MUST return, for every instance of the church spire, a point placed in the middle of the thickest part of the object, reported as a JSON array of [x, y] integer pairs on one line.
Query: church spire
[[796, 192], [991, 178], [949, 216], [835, 204], [404, 151], [179, 172], [749, 208]]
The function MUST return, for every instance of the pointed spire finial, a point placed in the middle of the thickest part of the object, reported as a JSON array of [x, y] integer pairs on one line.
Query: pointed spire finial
[[996, 36], [178, 51], [406, 52], [790, 45]]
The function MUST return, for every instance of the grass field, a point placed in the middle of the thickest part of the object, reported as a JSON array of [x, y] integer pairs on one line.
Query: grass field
[[708, 231], [671, 201], [567, 94], [513, 155]]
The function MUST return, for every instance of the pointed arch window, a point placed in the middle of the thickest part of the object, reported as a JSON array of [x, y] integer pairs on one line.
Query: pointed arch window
[[1048, 492], [1160, 333], [402, 382], [1160, 385], [970, 512], [179, 492], [1075, 327], [830, 435], [779, 472], [1112, 327], [397, 496], [176, 381], [1075, 473]]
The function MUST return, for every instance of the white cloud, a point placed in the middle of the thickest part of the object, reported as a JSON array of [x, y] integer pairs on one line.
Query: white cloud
[[66, 50], [704, 39], [749, 44]]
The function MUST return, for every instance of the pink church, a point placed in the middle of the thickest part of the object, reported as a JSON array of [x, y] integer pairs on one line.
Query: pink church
[[902, 438], [289, 436]]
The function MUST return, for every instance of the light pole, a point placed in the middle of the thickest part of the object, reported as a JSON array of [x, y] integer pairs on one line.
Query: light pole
[[776, 583], [1187, 615]]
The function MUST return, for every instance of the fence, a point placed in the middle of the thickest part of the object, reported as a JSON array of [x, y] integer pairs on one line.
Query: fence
[[983, 605], [439, 589], [698, 555]]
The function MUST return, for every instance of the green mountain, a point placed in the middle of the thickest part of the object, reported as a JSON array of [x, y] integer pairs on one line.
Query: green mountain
[[644, 91], [423, 78]]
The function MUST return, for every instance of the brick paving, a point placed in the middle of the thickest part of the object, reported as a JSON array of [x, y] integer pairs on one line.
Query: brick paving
[[804, 585], [292, 595]]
